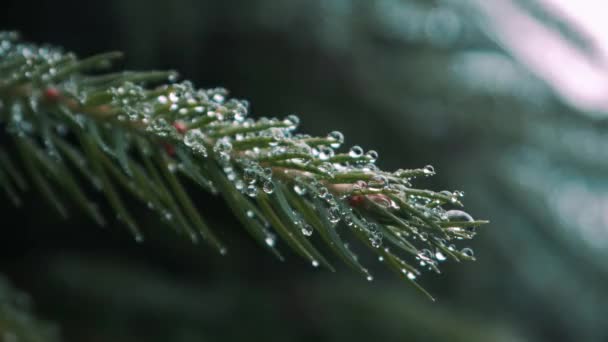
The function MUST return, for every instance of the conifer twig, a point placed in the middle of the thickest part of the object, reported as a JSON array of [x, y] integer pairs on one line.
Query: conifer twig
[[66, 126]]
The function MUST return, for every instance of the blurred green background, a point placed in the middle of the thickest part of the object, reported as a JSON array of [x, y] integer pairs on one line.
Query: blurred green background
[[475, 88]]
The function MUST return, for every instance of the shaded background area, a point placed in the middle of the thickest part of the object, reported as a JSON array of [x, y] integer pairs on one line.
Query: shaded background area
[[504, 97]]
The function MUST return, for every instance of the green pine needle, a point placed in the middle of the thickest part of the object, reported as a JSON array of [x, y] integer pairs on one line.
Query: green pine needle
[[116, 132]]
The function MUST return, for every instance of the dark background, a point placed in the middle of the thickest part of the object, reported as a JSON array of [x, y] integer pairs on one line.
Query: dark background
[[526, 161]]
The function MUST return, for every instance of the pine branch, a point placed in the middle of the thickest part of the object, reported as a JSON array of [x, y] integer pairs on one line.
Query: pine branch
[[113, 130]]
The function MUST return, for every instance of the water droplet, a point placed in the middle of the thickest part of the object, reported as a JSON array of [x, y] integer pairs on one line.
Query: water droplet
[[251, 190], [372, 155], [337, 137], [467, 252], [306, 229], [439, 256], [411, 276], [292, 121], [270, 240], [249, 175], [299, 190], [325, 152], [458, 215], [239, 184], [250, 214], [323, 192], [376, 241], [268, 172], [315, 263], [268, 187], [355, 151], [334, 215], [429, 170], [370, 278], [195, 139], [223, 147], [378, 182]]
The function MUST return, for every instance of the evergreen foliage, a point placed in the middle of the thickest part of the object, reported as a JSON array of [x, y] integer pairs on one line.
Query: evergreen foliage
[[69, 124]]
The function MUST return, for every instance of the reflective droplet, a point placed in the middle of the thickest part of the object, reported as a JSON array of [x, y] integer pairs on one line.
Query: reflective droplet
[[306, 229], [378, 182], [355, 151], [251, 190], [372, 155], [458, 215], [292, 120], [249, 176], [429, 170], [268, 187], [270, 240], [325, 152], [299, 190], [323, 192], [334, 215], [467, 252], [195, 139]]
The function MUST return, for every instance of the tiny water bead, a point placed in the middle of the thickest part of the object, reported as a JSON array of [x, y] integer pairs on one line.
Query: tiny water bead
[[223, 147], [325, 152], [334, 215], [249, 175], [251, 190], [292, 121], [337, 137], [429, 170], [322, 192], [467, 252], [378, 182], [270, 240], [355, 151], [372, 155], [306, 229], [458, 216], [300, 190], [195, 139], [268, 187]]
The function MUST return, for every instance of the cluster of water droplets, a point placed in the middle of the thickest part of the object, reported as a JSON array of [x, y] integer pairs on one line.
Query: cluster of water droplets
[[250, 152], [129, 98], [252, 178], [33, 63]]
